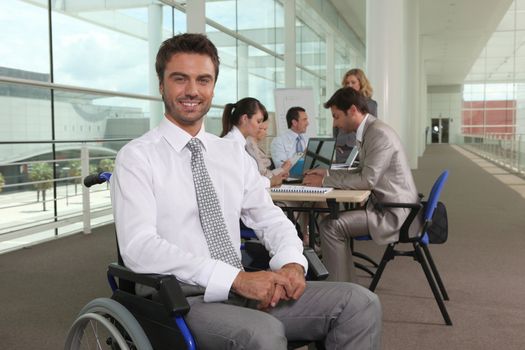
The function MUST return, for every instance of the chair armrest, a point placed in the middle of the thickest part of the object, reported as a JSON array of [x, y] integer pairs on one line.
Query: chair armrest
[[415, 209], [256, 257], [316, 269], [167, 286], [151, 280], [398, 205]]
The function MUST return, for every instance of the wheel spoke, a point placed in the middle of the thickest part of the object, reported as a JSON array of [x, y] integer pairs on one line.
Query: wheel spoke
[[95, 333]]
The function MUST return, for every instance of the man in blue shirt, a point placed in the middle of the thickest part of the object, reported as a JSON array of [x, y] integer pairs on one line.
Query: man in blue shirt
[[294, 139]]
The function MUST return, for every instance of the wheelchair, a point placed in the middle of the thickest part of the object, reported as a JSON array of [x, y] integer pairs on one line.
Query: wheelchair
[[156, 321]]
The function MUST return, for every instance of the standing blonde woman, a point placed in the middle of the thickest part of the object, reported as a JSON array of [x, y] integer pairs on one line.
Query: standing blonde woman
[[357, 80]]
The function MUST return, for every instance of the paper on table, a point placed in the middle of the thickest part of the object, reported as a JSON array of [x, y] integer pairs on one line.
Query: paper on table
[[301, 189]]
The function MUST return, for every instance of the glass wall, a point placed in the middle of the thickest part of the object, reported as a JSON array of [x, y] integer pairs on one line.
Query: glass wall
[[251, 52], [494, 93], [82, 85], [26, 51], [89, 84]]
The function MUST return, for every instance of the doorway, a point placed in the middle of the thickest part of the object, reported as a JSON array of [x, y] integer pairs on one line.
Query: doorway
[[440, 130]]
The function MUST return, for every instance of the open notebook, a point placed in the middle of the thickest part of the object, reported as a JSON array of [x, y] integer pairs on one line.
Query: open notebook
[[300, 189]]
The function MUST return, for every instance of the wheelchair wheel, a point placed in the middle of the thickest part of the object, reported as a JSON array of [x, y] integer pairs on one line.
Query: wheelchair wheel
[[105, 324]]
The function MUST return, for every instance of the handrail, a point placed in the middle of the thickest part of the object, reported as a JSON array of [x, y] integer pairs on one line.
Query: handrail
[[63, 141], [504, 149], [76, 89], [71, 88], [23, 215]]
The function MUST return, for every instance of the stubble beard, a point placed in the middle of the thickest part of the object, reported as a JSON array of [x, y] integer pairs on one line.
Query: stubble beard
[[179, 117]]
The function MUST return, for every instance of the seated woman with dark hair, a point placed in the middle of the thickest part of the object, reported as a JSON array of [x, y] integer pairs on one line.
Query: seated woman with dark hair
[[243, 120], [264, 161]]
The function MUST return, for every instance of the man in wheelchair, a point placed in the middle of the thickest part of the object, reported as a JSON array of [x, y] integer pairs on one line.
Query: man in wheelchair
[[178, 194]]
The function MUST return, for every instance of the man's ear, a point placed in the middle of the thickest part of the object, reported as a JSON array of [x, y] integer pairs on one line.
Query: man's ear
[[352, 110], [161, 90]]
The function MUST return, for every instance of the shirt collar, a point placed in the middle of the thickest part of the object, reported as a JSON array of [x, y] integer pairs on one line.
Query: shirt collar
[[360, 129], [238, 136], [292, 134], [179, 138]]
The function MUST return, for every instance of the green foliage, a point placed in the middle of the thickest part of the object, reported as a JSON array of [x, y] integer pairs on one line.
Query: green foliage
[[2, 182], [75, 170], [106, 165], [41, 172]]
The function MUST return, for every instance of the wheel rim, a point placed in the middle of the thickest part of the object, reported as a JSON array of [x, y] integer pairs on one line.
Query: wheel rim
[[94, 331]]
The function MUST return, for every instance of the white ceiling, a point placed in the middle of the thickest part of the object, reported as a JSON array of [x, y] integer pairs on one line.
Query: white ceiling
[[453, 34]]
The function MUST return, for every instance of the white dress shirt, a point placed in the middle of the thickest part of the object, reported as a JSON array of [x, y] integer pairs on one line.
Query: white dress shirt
[[157, 217], [283, 146], [359, 132], [236, 135]]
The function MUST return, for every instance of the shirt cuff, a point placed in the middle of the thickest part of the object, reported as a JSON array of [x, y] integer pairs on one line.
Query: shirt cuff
[[220, 282], [325, 180], [266, 181], [287, 256]]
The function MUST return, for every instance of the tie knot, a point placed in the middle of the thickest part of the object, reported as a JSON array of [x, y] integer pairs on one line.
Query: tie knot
[[299, 144], [194, 145]]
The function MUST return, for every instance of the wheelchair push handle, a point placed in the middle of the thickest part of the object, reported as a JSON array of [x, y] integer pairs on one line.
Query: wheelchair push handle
[[96, 179]]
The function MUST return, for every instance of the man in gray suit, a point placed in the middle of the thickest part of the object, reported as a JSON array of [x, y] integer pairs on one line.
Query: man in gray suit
[[383, 169]]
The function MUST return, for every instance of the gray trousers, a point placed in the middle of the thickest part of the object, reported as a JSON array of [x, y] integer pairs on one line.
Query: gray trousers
[[346, 315], [335, 243]]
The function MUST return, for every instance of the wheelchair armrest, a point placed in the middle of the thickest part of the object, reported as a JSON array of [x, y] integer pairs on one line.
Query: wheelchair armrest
[[257, 258], [167, 286], [151, 280], [399, 205], [316, 269]]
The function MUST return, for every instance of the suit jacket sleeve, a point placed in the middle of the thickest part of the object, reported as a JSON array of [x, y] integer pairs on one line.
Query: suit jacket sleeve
[[377, 150]]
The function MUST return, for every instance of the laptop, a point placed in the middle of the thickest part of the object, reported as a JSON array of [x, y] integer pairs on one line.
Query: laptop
[[319, 153], [350, 162]]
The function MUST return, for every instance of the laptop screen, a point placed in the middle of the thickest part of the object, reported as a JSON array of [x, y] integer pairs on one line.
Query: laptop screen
[[352, 157], [319, 153]]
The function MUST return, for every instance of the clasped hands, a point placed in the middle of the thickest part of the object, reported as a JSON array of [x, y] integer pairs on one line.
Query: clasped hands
[[269, 287], [314, 177]]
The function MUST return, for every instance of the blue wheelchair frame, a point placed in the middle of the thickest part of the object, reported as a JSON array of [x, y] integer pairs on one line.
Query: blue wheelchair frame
[[161, 315], [169, 303]]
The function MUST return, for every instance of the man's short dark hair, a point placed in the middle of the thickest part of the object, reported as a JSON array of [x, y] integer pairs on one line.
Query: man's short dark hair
[[345, 97], [185, 43], [293, 114]]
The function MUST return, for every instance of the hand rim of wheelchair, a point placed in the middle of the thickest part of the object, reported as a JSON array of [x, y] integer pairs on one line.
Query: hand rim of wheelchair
[[101, 309]]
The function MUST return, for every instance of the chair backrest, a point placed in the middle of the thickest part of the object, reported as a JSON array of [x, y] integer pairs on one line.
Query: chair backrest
[[433, 197], [432, 202]]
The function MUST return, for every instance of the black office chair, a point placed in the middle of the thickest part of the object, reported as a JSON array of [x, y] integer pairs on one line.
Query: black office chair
[[420, 251]]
